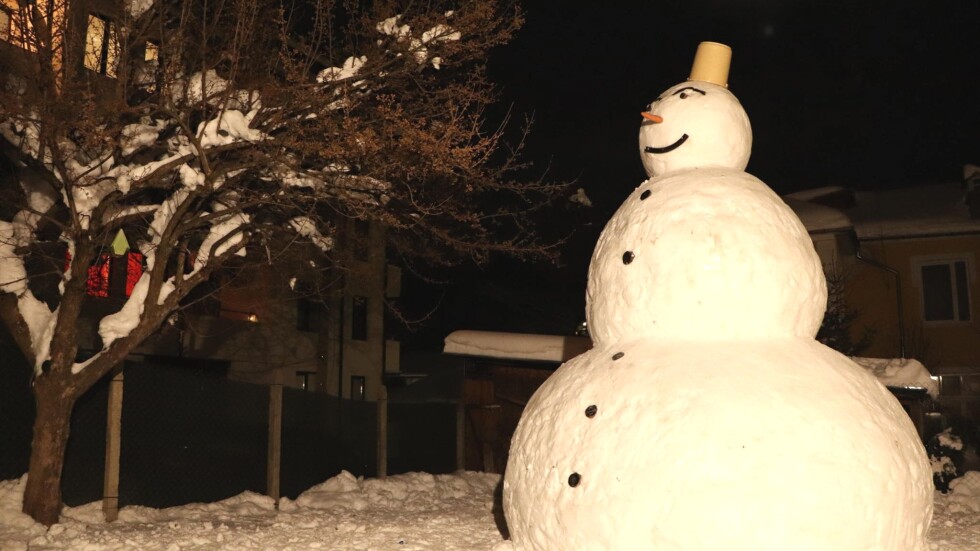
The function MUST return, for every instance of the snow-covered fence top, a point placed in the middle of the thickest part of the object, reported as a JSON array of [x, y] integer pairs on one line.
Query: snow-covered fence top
[[516, 346]]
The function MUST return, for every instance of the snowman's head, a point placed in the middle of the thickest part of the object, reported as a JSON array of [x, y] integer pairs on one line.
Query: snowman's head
[[694, 124]]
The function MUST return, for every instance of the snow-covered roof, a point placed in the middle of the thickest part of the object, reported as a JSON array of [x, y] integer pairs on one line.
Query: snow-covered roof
[[900, 372], [920, 211], [819, 218], [516, 346]]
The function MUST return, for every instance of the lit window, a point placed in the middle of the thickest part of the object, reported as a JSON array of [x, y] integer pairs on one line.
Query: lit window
[[151, 53], [945, 291], [17, 27], [6, 20], [101, 46]]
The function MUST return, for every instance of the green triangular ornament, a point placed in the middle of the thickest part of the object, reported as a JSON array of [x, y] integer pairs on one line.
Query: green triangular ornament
[[120, 244]]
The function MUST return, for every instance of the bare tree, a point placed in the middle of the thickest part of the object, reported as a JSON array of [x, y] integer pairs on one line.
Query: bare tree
[[224, 129]]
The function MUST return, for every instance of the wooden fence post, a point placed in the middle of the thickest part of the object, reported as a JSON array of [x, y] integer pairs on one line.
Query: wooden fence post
[[461, 430], [113, 441], [383, 432], [274, 452]]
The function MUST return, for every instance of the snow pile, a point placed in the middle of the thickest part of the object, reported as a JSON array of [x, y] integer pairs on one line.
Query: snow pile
[[16, 528], [965, 493], [415, 511], [408, 492], [411, 512], [900, 372]]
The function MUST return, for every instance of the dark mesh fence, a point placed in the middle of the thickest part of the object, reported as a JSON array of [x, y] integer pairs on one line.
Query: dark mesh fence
[[193, 436], [16, 411]]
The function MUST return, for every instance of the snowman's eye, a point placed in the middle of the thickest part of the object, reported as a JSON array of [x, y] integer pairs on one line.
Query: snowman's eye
[[684, 93]]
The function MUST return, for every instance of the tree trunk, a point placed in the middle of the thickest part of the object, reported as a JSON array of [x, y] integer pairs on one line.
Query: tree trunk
[[42, 496]]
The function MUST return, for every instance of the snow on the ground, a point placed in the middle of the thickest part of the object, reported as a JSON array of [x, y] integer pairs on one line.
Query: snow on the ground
[[410, 512]]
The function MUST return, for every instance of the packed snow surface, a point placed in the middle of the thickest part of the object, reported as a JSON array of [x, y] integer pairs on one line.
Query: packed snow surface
[[412, 512]]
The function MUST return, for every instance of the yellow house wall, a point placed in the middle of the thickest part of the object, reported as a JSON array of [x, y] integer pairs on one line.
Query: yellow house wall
[[872, 292]]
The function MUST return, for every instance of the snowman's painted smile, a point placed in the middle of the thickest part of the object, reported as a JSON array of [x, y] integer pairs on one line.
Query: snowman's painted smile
[[667, 148]]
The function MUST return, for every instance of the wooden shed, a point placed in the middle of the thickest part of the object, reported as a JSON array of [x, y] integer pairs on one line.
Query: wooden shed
[[501, 372]]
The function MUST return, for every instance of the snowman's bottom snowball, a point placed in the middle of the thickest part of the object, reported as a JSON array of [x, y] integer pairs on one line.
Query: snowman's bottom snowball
[[781, 445]]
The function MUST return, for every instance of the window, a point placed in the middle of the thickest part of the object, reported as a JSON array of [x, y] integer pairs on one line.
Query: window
[[101, 46], [309, 314], [6, 20], [950, 385], [945, 290], [151, 53], [358, 324], [362, 239]]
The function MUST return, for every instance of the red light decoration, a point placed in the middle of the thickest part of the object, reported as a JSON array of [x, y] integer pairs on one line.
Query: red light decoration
[[97, 284], [134, 269]]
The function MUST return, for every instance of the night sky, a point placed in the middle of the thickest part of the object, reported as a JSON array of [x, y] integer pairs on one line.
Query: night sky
[[865, 94]]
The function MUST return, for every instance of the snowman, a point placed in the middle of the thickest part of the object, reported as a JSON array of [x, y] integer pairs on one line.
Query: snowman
[[706, 416]]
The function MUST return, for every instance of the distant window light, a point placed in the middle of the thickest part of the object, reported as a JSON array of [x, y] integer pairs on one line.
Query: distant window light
[[358, 329], [945, 291], [15, 27], [240, 315], [101, 46], [151, 53], [357, 387], [6, 20]]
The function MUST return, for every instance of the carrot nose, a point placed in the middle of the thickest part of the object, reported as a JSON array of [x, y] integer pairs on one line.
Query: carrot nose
[[651, 117]]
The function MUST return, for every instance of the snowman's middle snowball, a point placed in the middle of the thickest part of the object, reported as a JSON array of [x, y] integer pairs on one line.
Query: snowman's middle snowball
[[714, 253]]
